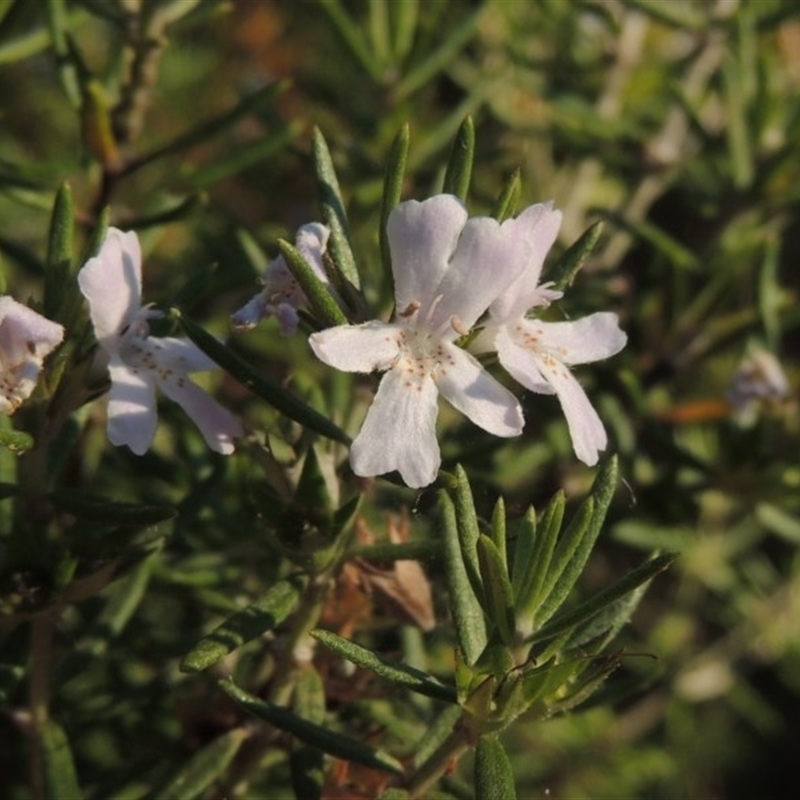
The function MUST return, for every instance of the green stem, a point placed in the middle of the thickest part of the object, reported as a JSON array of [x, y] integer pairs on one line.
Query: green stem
[[39, 697]]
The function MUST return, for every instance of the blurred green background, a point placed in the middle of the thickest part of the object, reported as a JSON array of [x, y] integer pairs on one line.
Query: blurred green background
[[677, 122]]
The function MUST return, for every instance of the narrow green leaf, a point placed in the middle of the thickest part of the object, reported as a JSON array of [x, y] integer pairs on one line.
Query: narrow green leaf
[[204, 768], [459, 167], [497, 589], [60, 777], [563, 272], [468, 528], [245, 625], [98, 234], [333, 210], [99, 509], [467, 612], [533, 572], [451, 45], [58, 20], [393, 190], [494, 778], [680, 256], [405, 19], [567, 562], [395, 671], [312, 493], [506, 203], [306, 763], [259, 383], [587, 686], [16, 441], [577, 542], [242, 158], [736, 127], [352, 37], [436, 734], [779, 522], [594, 605], [327, 740], [379, 27], [59, 254], [207, 130], [499, 529], [422, 550], [182, 210], [319, 297]]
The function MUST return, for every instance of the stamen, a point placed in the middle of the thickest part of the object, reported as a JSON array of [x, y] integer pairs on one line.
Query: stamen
[[410, 309]]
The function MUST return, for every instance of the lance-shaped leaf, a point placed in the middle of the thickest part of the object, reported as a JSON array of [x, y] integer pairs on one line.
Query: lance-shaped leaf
[[100, 509], [459, 166], [204, 768], [312, 494], [68, 70], [306, 763], [392, 190], [497, 592], [352, 37], [420, 550], [242, 158], [333, 212], [395, 671], [576, 544], [59, 255], [206, 130], [436, 734], [468, 528], [499, 529], [467, 611], [588, 685], [533, 571], [260, 384], [506, 203], [245, 625], [494, 778], [60, 777], [321, 301], [449, 48], [327, 740], [563, 272], [594, 605]]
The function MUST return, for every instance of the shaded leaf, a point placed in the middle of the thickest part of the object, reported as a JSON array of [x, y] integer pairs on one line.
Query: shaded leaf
[[494, 778], [459, 167]]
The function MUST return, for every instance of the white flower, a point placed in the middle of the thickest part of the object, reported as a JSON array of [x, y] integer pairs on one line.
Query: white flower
[[138, 362], [282, 295], [25, 339], [447, 269], [538, 354]]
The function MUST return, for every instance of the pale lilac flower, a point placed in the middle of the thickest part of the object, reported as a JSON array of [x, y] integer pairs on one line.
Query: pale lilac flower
[[138, 362], [26, 338], [447, 269], [282, 295], [759, 380], [539, 354]]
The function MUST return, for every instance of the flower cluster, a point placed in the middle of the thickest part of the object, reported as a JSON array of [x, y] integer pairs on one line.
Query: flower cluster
[[448, 270], [457, 280]]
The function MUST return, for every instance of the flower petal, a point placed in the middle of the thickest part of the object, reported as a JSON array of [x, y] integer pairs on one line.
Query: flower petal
[[358, 348], [592, 338], [585, 428], [312, 240], [24, 333], [179, 355], [465, 384], [217, 425], [399, 432], [488, 257], [112, 283], [521, 363], [422, 238], [132, 417], [538, 225]]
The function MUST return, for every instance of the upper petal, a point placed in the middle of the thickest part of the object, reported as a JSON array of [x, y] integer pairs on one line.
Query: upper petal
[[179, 355], [112, 283], [358, 348], [132, 417], [311, 240], [399, 432], [422, 238], [582, 341], [24, 334], [465, 384], [538, 225], [487, 258]]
